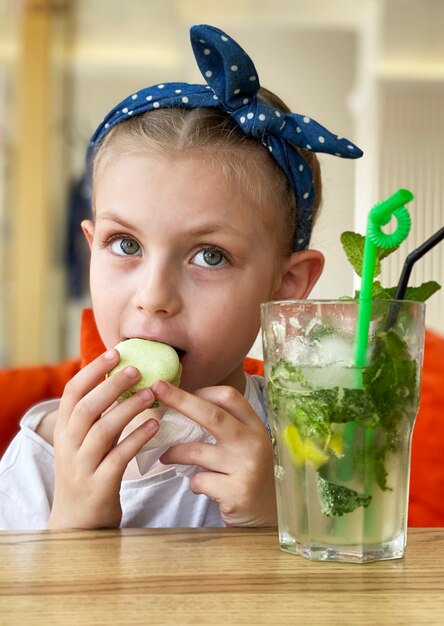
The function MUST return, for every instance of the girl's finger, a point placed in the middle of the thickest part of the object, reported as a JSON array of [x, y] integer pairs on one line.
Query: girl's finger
[[213, 418], [106, 431], [118, 458], [225, 424], [233, 402], [213, 485], [209, 456], [89, 409], [84, 381]]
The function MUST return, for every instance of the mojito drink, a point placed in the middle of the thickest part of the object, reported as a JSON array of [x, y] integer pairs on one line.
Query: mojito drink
[[341, 434]]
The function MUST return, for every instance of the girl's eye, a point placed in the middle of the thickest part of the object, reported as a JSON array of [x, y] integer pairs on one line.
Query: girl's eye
[[209, 257], [126, 247]]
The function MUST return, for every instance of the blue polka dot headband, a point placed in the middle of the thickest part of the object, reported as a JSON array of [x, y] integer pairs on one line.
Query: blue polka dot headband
[[232, 87]]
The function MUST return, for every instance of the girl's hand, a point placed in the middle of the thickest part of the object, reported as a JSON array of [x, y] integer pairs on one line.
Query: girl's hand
[[89, 463], [238, 469]]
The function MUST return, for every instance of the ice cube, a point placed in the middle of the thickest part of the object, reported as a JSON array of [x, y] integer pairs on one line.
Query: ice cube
[[328, 376], [298, 351], [314, 327], [326, 350], [335, 349], [277, 330], [293, 321]]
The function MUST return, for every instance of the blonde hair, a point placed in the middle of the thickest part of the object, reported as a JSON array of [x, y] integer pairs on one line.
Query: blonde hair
[[244, 159]]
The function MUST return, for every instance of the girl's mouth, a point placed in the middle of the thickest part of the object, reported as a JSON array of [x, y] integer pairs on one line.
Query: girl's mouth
[[180, 353]]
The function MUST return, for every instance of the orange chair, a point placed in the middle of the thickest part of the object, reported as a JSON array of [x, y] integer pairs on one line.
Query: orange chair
[[20, 388], [427, 463]]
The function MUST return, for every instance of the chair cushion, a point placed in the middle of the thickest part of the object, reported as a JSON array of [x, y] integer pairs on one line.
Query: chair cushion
[[427, 463]]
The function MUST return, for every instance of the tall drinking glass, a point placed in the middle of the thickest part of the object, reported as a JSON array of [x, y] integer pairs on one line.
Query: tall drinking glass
[[341, 433]]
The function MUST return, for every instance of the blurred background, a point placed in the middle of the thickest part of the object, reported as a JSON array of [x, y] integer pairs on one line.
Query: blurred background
[[370, 70]]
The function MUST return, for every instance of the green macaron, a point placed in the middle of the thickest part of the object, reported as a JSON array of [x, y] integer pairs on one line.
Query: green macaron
[[153, 359]]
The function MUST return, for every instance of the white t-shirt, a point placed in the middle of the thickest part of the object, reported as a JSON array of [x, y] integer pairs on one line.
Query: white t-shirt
[[153, 501]]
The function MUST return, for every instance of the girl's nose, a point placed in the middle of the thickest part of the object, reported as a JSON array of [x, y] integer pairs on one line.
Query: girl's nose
[[157, 292]]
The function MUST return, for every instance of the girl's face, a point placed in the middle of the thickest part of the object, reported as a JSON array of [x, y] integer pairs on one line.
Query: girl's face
[[180, 255]]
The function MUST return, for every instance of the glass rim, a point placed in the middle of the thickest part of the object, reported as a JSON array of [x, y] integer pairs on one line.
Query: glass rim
[[270, 303]]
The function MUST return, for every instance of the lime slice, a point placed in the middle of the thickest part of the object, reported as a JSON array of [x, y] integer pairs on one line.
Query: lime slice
[[313, 454], [302, 451], [294, 443], [336, 444]]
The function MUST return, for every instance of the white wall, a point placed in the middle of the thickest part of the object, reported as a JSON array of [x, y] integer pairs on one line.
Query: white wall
[[400, 116]]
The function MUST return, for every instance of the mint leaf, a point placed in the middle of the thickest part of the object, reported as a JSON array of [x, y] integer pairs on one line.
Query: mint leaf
[[353, 244], [357, 406], [379, 292], [417, 294], [315, 412], [391, 379], [311, 410], [336, 500], [283, 372]]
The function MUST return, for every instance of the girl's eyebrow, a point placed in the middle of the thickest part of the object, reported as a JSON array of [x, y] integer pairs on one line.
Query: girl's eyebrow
[[114, 217], [215, 227], [199, 230]]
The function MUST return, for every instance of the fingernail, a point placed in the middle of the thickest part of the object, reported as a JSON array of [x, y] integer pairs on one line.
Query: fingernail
[[131, 372], [151, 424], [110, 355], [146, 395], [160, 386]]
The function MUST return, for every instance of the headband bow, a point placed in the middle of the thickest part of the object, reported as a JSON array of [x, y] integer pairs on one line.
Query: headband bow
[[232, 87]]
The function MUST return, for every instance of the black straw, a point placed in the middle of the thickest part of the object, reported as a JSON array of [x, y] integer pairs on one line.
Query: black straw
[[411, 260], [407, 270]]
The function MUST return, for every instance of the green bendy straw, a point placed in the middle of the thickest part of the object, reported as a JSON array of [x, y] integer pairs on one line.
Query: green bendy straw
[[379, 216]]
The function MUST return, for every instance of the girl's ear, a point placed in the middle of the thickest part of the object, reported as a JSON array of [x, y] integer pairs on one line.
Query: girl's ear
[[300, 273], [88, 231]]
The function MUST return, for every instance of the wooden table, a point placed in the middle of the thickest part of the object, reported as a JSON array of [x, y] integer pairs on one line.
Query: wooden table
[[210, 576]]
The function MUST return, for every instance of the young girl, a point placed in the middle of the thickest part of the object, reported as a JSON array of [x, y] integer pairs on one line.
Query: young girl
[[203, 200]]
